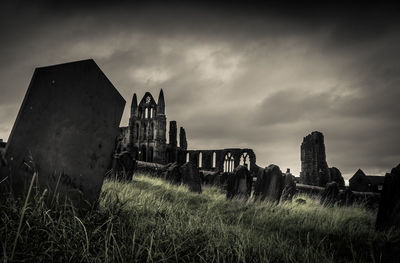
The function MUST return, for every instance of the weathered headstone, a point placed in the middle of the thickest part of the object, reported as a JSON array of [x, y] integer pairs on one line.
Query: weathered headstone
[[346, 197], [239, 183], [269, 184], [172, 174], [336, 176], [67, 125], [290, 188], [389, 206], [330, 194], [123, 166], [191, 177]]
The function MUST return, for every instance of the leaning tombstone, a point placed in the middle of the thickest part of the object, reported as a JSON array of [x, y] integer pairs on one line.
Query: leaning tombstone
[[269, 184], [389, 206], [239, 183], [66, 128], [191, 177]]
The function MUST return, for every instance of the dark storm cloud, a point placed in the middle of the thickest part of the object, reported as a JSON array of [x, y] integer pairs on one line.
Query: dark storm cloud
[[234, 74]]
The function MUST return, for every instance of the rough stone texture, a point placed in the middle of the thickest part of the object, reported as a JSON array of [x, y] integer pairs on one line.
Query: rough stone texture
[[290, 188], [330, 195], [147, 132], [172, 174], [269, 184], [191, 177], [239, 183], [389, 206], [336, 176], [67, 125], [237, 154], [314, 169], [124, 165]]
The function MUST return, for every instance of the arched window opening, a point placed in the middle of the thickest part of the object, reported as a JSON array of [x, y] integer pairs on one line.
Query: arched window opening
[[146, 113], [152, 131], [200, 160], [245, 160], [144, 131], [228, 163], [214, 160], [137, 131], [187, 157], [151, 112]]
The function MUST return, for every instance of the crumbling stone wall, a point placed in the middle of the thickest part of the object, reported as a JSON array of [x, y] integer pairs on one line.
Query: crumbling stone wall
[[215, 160], [314, 169]]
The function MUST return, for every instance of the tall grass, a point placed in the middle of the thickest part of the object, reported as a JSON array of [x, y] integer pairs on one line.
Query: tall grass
[[150, 220]]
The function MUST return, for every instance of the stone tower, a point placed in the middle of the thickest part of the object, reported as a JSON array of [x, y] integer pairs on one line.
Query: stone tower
[[314, 168], [147, 128]]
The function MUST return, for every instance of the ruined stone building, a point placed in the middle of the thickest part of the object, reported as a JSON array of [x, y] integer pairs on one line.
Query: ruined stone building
[[314, 168], [145, 137], [223, 160], [366, 183]]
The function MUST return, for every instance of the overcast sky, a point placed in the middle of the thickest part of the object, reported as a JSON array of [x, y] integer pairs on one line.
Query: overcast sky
[[236, 75]]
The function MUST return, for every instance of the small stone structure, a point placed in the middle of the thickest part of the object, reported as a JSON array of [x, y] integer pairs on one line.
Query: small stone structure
[[389, 207], [314, 168], [270, 183], [239, 183], [66, 130]]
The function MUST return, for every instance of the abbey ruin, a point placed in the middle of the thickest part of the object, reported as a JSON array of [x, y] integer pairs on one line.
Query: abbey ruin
[[145, 139]]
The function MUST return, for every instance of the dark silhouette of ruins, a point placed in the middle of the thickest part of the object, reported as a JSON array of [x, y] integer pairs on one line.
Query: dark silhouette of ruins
[[314, 169], [145, 137]]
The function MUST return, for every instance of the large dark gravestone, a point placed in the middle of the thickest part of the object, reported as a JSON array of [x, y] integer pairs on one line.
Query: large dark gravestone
[[270, 183], [239, 183], [66, 130], [389, 206]]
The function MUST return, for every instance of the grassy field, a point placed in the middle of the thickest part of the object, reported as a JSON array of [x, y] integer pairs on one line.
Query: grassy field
[[149, 220]]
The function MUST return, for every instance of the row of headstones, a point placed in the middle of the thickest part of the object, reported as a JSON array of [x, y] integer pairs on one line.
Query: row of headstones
[[273, 185]]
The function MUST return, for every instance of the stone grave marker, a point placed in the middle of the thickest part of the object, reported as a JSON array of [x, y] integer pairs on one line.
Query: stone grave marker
[[191, 177], [67, 127], [239, 183], [269, 184]]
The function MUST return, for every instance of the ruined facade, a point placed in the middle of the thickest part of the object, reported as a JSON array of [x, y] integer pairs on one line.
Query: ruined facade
[[224, 160], [314, 168], [145, 137]]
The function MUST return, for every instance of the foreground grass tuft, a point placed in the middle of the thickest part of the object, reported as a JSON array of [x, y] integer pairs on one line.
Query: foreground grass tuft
[[149, 220]]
